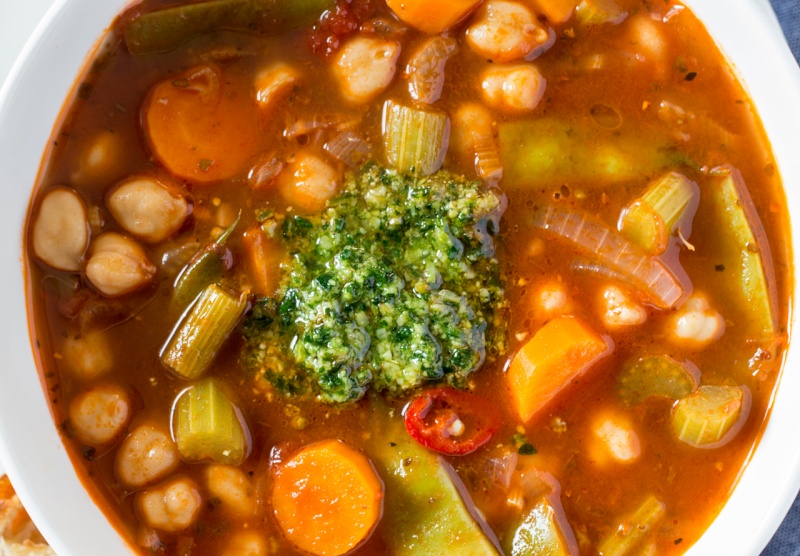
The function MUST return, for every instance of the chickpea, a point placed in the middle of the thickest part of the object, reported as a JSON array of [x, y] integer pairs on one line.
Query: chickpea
[[87, 357], [517, 88], [233, 488], [696, 324], [365, 67], [147, 209], [118, 265], [618, 309], [145, 456], [99, 415], [308, 182], [273, 83], [61, 230], [100, 158], [172, 506], [503, 31], [246, 543]]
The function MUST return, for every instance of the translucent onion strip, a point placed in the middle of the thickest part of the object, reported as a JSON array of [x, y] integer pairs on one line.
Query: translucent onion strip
[[648, 274], [425, 69], [349, 148]]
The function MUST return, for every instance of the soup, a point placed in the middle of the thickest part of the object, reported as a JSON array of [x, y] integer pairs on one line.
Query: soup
[[356, 277]]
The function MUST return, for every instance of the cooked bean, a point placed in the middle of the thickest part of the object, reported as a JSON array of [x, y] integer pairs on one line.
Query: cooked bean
[[518, 88], [99, 414], [365, 67], [503, 31], [61, 230], [232, 487], [147, 209], [87, 357], [146, 455], [696, 324], [308, 182], [273, 83], [618, 309], [118, 265], [246, 543], [172, 506], [100, 157]]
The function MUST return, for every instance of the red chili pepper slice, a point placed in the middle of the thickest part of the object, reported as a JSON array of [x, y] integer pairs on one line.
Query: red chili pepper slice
[[435, 420]]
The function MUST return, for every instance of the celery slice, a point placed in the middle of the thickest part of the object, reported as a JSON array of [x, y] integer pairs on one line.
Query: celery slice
[[203, 329], [654, 376], [540, 533], [711, 416], [415, 140], [163, 30], [633, 529], [595, 12], [207, 426], [749, 277], [649, 220]]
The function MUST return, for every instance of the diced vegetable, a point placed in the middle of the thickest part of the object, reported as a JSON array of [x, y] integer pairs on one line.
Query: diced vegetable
[[197, 129], [207, 426], [647, 274], [711, 416], [327, 498], [595, 12], [559, 353], [425, 69], [415, 140], [263, 255], [650, 220], [430, 17], [749, 276], [205, 268], [540, 533], [654, 376], [451, 422], [473, 127], [163, 30], [428, 510], [546, 150], [201, 332], [349, 148], [633, 530]]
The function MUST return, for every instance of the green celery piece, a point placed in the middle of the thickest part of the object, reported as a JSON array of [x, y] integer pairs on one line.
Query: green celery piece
[[415, 140], [425, 510], [164, 30], [654, 376], [708, 418], [539, 534], [749, 277], [207, 426], [206, 267], [649, 220], [202, 330], [595, 12], [633, 529], [550, 151]]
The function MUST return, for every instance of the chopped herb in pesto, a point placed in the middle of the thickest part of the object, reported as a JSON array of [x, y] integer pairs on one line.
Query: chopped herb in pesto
[[395, 284]]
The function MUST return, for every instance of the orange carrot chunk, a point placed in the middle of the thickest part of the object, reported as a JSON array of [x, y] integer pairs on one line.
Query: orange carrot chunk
[[263, 259], [432, 17], [558, 354], [198, 129], [327, 498]]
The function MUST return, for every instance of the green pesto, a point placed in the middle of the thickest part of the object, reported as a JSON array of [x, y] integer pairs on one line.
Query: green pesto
[[395, 284]]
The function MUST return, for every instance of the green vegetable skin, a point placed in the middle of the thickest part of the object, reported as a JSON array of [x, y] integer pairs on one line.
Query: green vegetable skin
[[394, 285], [549, 150], [163, 30], [749, 276], [539, 534], [633, 529], [424, 511]]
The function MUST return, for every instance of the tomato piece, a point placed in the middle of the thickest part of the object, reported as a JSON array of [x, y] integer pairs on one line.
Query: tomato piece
[[450, 421]]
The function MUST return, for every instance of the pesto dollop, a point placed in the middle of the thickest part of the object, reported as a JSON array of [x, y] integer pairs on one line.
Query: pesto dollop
[[395, 284]]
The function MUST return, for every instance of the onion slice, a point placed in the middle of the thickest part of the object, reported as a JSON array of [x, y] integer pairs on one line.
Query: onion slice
[[606, 246]]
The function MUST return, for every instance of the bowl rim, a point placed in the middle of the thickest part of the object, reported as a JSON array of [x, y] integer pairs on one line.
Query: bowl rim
[[49, 487]]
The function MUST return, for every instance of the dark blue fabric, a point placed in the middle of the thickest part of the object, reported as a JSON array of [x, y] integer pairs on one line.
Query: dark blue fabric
[[786, 541]]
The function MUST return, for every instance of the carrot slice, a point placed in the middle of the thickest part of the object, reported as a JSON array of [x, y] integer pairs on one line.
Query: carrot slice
[[198, 128], [263, 256], [327, 498], [432, 17], [558, 354]]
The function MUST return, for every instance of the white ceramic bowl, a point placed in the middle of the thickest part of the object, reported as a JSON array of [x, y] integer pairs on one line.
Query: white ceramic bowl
[[30, 447]]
